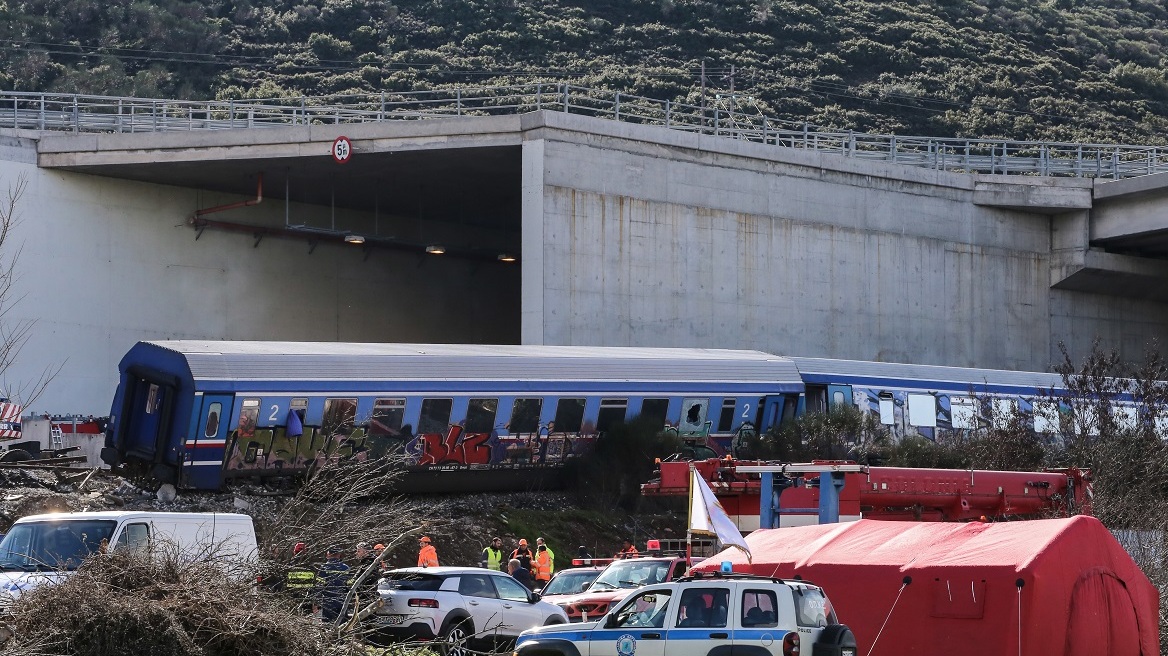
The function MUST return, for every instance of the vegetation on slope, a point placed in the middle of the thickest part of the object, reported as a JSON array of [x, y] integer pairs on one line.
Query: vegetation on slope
[[1074, 70]]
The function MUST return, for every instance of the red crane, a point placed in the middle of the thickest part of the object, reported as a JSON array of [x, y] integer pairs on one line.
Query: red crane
[[892, 493]]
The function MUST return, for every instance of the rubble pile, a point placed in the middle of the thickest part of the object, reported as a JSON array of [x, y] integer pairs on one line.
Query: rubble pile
[[163, 607]]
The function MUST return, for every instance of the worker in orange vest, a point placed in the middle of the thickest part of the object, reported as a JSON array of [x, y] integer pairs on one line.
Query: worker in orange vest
[[627, 549], [543, 563], [427, 554]]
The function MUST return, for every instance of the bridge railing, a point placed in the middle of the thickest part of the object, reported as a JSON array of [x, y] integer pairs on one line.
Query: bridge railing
[[84, 113]]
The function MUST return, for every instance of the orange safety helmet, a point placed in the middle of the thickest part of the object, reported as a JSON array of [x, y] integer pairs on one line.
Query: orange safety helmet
[[522, 542], [378, 547], [424, 539]]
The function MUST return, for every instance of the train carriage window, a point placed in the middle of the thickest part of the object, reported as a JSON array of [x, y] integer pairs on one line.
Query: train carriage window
[[656, 409], [299, 405], [1086, 420], [388, 416], [1126, 416], [480, 415], [525, 416], [212, 428], [693, 417], [569, 415], [435, 417], [612, 412], [726, 419], [887, 409], [816, 396], [963, 411], [248, 416], [1004, 412], [152, 399], [1046, 417], [339, 416], [922, 410]]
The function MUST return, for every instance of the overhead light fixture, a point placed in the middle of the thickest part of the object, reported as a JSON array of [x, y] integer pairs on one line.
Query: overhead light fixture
[[354, 239], [435, 249], [506, 257]]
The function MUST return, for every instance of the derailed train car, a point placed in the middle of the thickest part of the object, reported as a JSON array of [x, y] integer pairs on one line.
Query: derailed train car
[[197, 414], [200, 413]]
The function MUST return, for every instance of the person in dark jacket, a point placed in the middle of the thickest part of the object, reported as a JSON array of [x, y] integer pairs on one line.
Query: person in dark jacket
[[519, 572], [523, 554], [332, 584]]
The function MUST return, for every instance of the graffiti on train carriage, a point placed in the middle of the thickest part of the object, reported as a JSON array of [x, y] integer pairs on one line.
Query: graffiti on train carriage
[[274, 450]]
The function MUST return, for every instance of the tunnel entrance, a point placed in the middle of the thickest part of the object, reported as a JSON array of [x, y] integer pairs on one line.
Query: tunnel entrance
[[401, 246]]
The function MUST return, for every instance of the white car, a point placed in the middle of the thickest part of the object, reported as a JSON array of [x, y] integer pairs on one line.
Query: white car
[[40, 549], [702, 615], [463, 606]]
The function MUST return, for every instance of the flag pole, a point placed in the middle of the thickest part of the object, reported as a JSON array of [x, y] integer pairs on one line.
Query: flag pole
[[689, 521]]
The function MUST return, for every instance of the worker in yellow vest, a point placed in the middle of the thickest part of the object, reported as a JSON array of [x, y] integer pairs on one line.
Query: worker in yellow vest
[[544, 563]]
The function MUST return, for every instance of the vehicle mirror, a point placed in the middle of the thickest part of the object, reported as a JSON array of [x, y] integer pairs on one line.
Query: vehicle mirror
[[532, 597], [610, 622]]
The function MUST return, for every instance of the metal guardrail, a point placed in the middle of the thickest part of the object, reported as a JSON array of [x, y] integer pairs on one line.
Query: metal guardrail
[[81, 113]]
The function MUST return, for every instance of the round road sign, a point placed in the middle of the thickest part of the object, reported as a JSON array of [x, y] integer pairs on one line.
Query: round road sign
[[342, 150]]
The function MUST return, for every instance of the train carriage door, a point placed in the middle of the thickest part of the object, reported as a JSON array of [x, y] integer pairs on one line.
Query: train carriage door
[[839, 396], [204, 460], [145, 430]]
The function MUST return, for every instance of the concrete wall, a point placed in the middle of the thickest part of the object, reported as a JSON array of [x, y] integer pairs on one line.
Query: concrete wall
[[688, 241], [90, 443], [107, 262]]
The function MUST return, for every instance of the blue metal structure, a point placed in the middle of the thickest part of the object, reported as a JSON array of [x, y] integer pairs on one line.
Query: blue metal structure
[[197, 413]]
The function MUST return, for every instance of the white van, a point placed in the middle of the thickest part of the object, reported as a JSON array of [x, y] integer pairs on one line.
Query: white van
[[39, 548]]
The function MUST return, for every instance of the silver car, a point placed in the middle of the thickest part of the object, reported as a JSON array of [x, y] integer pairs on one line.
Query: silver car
[[465, 607]]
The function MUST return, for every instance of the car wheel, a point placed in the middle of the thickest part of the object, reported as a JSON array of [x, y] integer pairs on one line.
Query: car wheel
[[455, 637], [552, 621]]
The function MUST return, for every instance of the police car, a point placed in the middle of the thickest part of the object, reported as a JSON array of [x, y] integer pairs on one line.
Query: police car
[[702, 615]]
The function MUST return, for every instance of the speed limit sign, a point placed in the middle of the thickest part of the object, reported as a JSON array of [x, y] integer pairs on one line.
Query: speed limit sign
[[342, 150]]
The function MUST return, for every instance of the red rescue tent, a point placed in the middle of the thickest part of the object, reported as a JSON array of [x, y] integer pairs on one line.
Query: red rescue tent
[[1059, 587]]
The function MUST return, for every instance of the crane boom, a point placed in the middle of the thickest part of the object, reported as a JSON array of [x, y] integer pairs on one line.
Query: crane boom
[[891, 493]]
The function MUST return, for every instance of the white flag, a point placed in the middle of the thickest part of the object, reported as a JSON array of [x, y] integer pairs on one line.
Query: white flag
[[707, 517]]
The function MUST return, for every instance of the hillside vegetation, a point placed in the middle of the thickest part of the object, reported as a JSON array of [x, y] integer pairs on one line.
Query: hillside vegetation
[[1075, 70]]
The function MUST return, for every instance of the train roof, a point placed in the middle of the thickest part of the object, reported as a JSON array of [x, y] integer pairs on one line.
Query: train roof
[[337, 361], [890, 374]]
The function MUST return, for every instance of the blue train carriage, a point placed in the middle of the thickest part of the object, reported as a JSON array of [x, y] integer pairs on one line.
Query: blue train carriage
[[199, 413], [931, 401]]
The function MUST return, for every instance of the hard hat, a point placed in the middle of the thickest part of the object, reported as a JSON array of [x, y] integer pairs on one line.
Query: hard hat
[[522, 542], [378, 547], [424, 539], [297, 548], [363, 545]]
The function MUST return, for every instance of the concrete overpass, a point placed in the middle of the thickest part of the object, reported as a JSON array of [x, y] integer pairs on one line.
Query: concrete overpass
[[626, 234]]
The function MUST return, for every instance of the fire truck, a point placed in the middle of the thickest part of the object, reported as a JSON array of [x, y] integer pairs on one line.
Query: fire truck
[[890, 493]]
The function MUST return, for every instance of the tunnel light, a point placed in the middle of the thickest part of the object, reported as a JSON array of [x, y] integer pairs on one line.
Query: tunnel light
[[435, 249], [354, 239], [506, 257]]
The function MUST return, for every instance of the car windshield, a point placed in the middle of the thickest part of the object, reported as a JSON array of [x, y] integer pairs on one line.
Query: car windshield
[[410, 581], [570, 582], [53, 544], [630, 574]]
